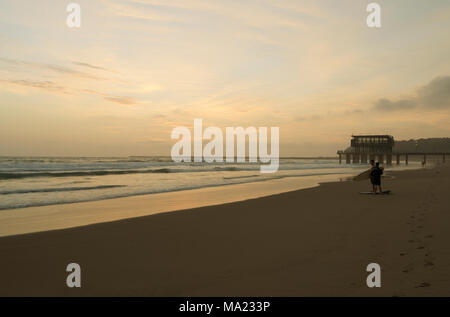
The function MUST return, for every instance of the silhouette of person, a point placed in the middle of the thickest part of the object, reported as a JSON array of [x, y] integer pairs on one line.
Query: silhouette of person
[[375, 177], [372, 164]]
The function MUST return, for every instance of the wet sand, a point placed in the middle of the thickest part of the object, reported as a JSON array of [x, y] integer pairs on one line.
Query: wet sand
[[63, 216], [315, 241]]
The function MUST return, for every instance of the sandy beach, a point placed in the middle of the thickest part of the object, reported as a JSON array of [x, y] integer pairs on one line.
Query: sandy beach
[[311, 242]]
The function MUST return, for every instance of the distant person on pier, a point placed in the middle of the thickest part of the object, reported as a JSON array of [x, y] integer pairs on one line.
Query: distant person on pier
[[375, 177]]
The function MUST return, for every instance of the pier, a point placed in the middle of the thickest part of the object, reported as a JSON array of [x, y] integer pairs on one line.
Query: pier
[[364, 148]]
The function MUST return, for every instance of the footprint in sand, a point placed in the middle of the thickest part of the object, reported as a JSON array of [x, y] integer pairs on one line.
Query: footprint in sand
[[429, 236], [424, 284], [420, 248], [408, 268], [429, 263]]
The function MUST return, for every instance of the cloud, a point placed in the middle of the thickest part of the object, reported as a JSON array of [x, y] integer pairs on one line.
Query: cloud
[[46, 85], [434, 95], [159, 116], [201, 11], [43, 66], [51, 86], [388, 105], [88, 65], [123, 100], [313, 117]]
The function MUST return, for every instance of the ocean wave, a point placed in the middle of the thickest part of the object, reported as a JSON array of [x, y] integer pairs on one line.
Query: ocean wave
[[51, 190], [244, 176], [18, 175], [188, 169], [7, 175], [86, 160]]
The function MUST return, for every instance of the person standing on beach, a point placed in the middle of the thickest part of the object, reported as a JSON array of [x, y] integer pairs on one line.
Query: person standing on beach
[[375, 177], [372, 164]]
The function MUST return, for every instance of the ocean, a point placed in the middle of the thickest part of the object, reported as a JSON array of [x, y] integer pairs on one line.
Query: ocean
[[41, 181]]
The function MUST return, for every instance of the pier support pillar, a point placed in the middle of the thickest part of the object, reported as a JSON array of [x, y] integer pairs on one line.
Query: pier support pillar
[[364, 158], [389, 159], [340, 158], [398, 159], [347, 158], [381, 158], [406, 159], [355, 158], [424, 159]]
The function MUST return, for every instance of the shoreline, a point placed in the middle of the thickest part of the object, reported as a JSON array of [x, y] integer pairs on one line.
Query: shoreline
[[28, 220]]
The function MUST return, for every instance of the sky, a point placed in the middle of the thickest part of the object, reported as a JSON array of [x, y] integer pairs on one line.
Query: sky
[[136, 69]]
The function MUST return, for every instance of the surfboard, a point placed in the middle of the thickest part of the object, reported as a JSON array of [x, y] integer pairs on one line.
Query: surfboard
[[364, 175], [384, 192]]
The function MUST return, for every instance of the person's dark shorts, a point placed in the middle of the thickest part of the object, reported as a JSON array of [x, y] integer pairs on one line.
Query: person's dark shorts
[[375, 180]]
